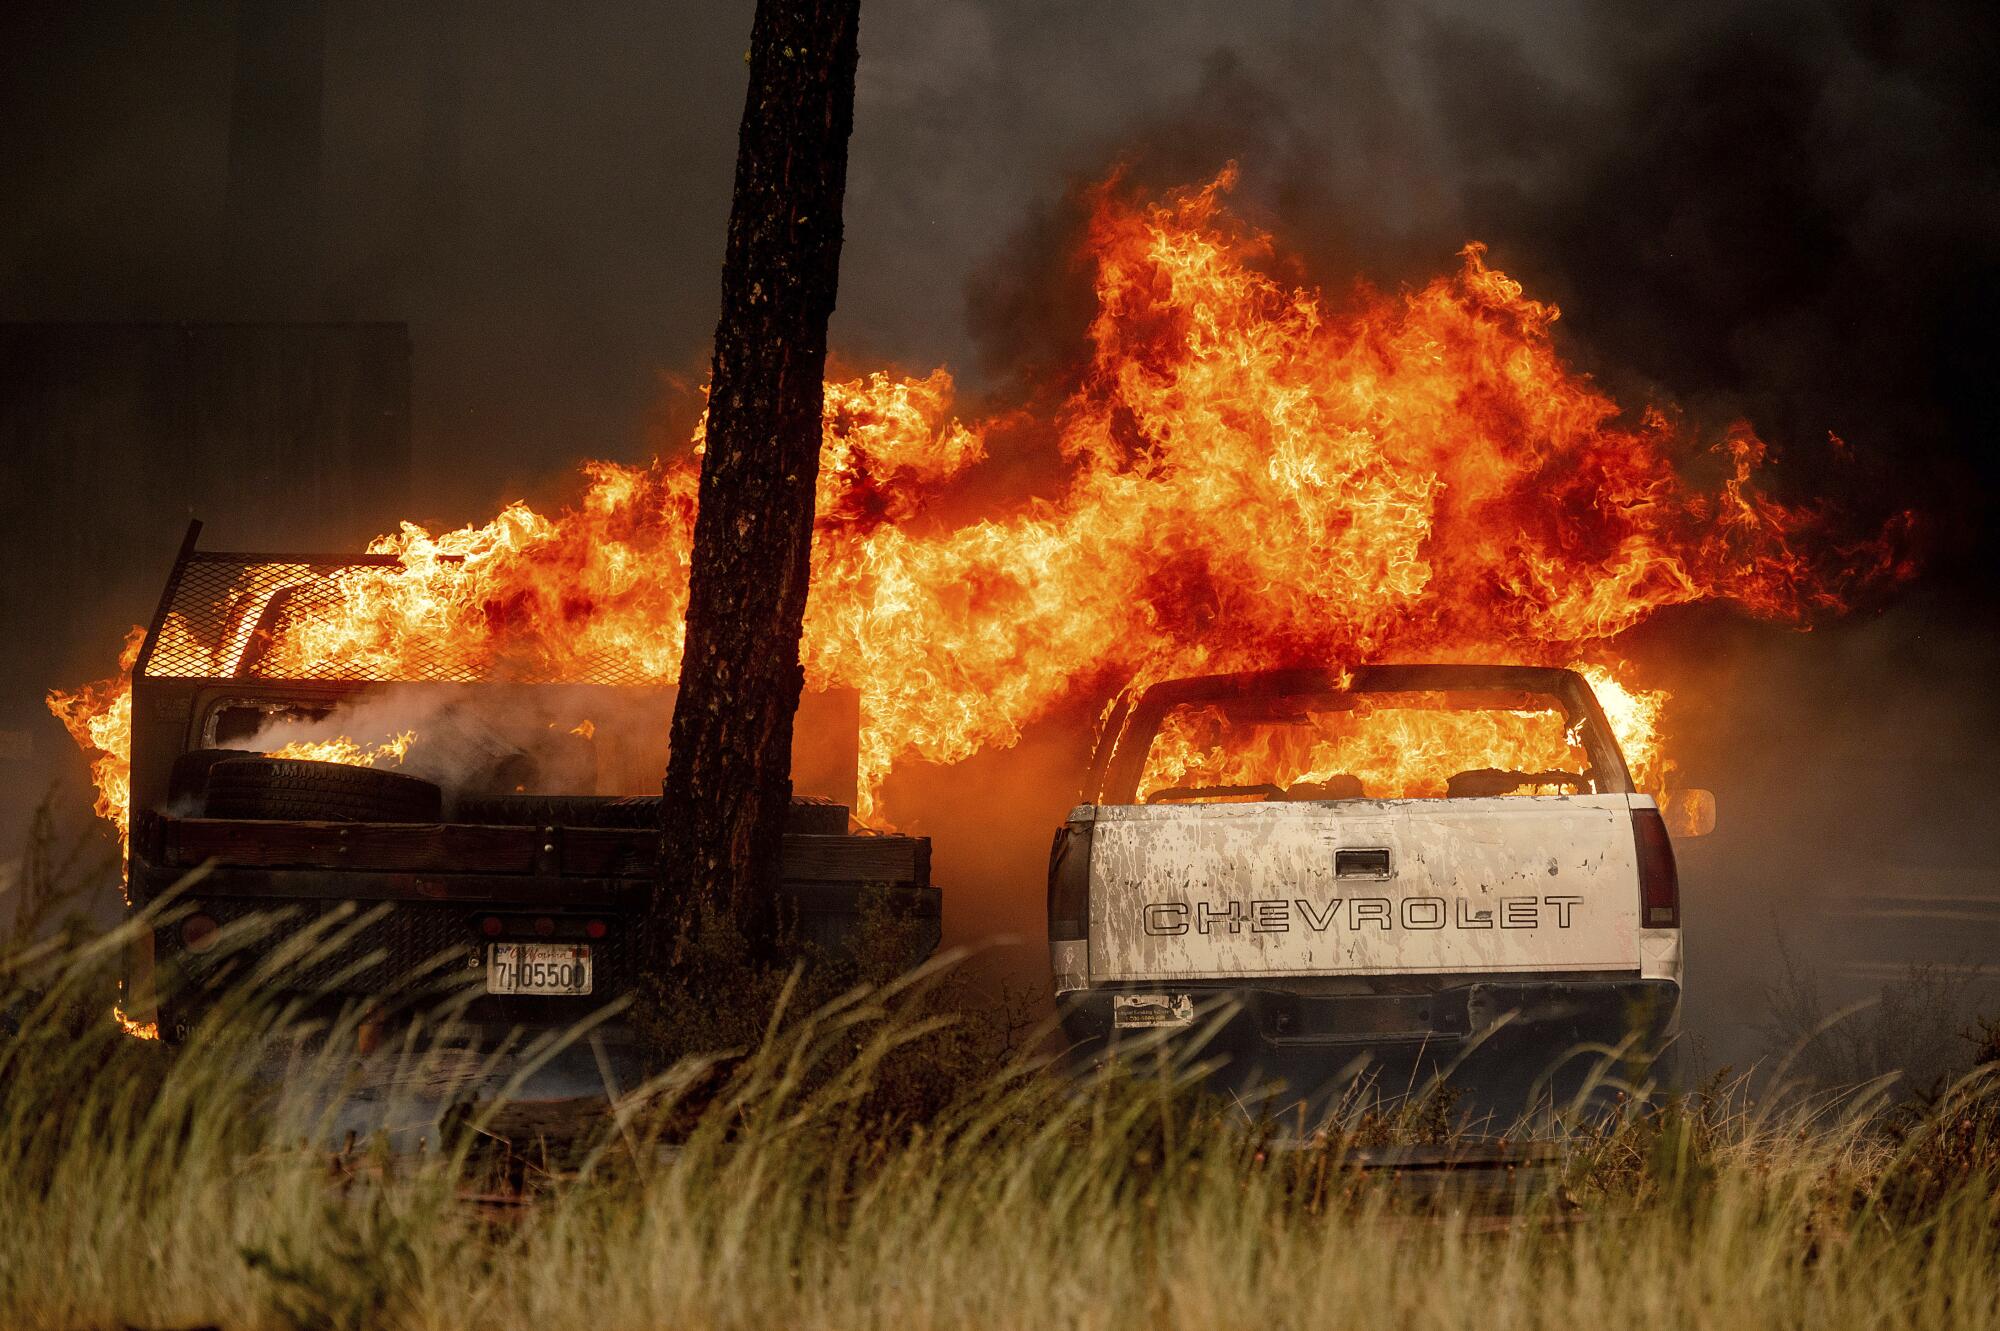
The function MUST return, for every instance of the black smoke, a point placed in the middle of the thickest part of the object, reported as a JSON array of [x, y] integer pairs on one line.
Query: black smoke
[[1785, 210]]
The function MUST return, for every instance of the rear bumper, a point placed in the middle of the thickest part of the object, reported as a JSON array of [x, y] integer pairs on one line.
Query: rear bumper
[[393, 954], [401, 942], [1549, 1013]]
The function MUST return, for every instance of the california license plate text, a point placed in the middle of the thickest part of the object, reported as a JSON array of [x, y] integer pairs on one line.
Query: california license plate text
[[538, 968]]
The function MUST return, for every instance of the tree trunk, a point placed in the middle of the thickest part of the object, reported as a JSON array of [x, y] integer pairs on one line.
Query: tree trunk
[[728, 779]]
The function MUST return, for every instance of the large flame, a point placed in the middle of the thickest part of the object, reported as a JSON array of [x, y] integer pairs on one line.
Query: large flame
[[1394, 746], [99, 718], [1254, 476]]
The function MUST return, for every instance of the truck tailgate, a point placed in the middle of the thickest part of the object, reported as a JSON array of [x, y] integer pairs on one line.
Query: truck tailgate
[[1363, 887]]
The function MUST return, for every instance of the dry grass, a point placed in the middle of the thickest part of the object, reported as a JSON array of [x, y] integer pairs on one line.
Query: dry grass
[[778, 1190]]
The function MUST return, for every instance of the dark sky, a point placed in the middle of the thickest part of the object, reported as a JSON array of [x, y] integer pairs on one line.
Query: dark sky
[[1781, 208]]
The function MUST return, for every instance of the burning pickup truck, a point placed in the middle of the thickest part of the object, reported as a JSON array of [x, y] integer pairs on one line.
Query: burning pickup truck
[[1447, 861], [512, 848]]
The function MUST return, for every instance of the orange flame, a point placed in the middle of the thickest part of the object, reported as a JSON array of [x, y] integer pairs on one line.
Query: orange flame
[[99, 718], [341, 749], [1255, 476], [138, 1030], [1398, 746]]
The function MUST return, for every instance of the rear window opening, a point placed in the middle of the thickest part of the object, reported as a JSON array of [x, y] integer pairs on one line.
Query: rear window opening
[[496, 740], [1265, 740], [237, 722]]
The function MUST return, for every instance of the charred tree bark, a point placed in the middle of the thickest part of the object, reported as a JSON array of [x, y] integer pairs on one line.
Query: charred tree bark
[[728, 779]]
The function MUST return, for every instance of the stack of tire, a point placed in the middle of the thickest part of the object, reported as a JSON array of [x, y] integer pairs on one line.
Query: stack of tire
[[232, 783]]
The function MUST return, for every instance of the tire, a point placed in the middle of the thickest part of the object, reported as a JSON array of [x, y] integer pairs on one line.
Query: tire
[[293, 788], [187, 781], [808, 814]]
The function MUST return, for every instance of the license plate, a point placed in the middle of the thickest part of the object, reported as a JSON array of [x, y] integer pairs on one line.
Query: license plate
[[538, 968], [1142, 1011]]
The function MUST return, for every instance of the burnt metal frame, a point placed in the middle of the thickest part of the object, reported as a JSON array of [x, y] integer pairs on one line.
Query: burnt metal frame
[[145, 685], [190, 554]]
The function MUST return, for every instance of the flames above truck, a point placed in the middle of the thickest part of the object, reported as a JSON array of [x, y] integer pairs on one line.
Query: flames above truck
[[1253, 474]]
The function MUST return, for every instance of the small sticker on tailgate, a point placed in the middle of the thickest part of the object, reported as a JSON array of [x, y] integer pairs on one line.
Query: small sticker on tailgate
[[1139, 1011]]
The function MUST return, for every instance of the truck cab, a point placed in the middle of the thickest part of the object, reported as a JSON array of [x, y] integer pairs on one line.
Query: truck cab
[[1440, 866]]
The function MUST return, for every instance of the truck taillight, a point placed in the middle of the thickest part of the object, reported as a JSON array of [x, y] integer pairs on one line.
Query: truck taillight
[[198, 933], [1069, 884], [1659, 881]]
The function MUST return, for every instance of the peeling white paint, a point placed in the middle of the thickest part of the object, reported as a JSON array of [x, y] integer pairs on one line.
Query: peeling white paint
[[1070, 962], [1520, 883]]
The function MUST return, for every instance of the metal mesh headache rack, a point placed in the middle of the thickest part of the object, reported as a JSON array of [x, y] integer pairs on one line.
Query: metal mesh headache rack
[[222, 614]]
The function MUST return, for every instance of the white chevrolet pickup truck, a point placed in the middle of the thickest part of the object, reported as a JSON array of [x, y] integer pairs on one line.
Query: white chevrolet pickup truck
[[1447, 861]]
